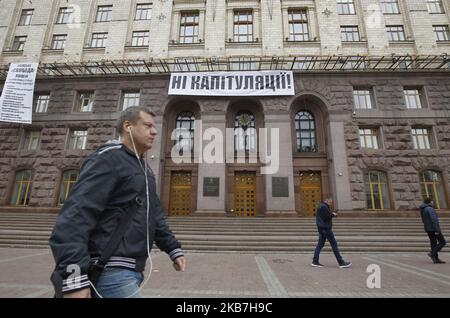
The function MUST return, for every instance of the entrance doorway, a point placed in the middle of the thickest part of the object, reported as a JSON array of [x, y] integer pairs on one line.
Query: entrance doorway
[[245, 193], [309, 192], [180, 194]]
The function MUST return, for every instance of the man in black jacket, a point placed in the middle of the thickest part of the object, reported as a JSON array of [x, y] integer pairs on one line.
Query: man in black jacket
[[324, 217], [114, 182], [431, 225]]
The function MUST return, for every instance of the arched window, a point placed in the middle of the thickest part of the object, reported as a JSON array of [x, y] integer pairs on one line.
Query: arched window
[[305, 129], [432, 186], [377, 190], [70, 177], [185, 126], [22, 188], [244, 132]]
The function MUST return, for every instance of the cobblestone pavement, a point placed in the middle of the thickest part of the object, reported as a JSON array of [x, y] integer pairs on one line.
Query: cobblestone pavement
[[25, 273]]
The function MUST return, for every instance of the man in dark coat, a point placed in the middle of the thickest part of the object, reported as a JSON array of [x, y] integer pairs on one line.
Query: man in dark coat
[[324, 217], [431, 225], [115, 184]]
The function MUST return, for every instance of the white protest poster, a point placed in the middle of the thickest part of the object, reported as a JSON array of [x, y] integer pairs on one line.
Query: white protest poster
[[251, 83], [16, 102]]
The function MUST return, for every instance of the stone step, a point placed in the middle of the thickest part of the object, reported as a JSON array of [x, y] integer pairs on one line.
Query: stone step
[[232, 234]]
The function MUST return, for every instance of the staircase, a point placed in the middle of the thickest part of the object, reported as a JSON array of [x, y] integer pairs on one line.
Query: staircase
[[231, 234]]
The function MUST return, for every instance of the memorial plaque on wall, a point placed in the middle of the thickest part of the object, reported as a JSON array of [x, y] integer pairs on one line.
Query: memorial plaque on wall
[[280, 187], [211, 187]]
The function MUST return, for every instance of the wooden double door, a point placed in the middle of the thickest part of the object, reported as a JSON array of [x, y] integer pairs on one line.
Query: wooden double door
[[245, 193], [308, 192], [180, 194]]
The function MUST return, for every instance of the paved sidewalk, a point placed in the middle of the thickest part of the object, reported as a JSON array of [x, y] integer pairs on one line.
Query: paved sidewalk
[[25, 273]]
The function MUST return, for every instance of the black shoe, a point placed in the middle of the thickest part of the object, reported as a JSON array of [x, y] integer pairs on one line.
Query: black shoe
[[345, 264], [316, 264], [438, 261], [433, 258]]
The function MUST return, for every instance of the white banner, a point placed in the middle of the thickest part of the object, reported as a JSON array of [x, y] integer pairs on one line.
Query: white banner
[[262, 83], [16, 102]]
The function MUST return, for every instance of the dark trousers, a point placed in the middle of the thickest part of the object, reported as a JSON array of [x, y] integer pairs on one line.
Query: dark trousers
[[437, 242], [327, 234]]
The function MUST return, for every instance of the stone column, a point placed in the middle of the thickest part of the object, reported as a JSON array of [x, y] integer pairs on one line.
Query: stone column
[[213, 173], [161, 22], [422, 28], [175, 27], [230, 25], [375, 25], [285, 19], [339, 175], [312, 24], [283, 203], [329, 27], [201, 25], [257, 25]]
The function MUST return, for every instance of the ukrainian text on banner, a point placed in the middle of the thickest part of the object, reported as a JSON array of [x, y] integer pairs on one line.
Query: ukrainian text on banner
[[16, 102], [263, 83]]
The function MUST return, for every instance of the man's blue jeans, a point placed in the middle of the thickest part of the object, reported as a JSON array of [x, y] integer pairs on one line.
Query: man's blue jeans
[[437, 242], [119, 283], [325, 234]]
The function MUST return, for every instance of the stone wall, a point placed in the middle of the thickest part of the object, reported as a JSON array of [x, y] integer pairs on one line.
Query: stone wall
[[397, 157]]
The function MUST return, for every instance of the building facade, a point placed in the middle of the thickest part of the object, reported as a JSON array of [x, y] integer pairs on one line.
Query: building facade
[[369, 121]]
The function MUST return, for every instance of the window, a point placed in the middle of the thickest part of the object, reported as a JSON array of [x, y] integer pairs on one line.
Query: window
[[22, 188], [368, 138], [441, 32], [143, 11], [184, 132], [350, 33], [41, 103], [85, 102], [346, 7], [362, 98], [68, 180], [99, 39], [376, 190], [395, 33], [65, 15], [432, 186], [189, 27], [59, 41], [421, 137], [77, 139], [243, 26], [244, 132], [435, 6], [413, 97], [305, 129], [31, 140], [130, 99], [298, 25], [25, 17], [140, 38], [389, 6], [19, 43], [103, 14]]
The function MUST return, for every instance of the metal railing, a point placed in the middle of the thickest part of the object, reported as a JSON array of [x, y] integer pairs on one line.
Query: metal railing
[[211, 64]]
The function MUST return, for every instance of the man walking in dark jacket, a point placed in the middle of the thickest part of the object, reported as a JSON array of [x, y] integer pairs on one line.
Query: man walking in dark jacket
[[324, 217], [431, 225], [115, 185]]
